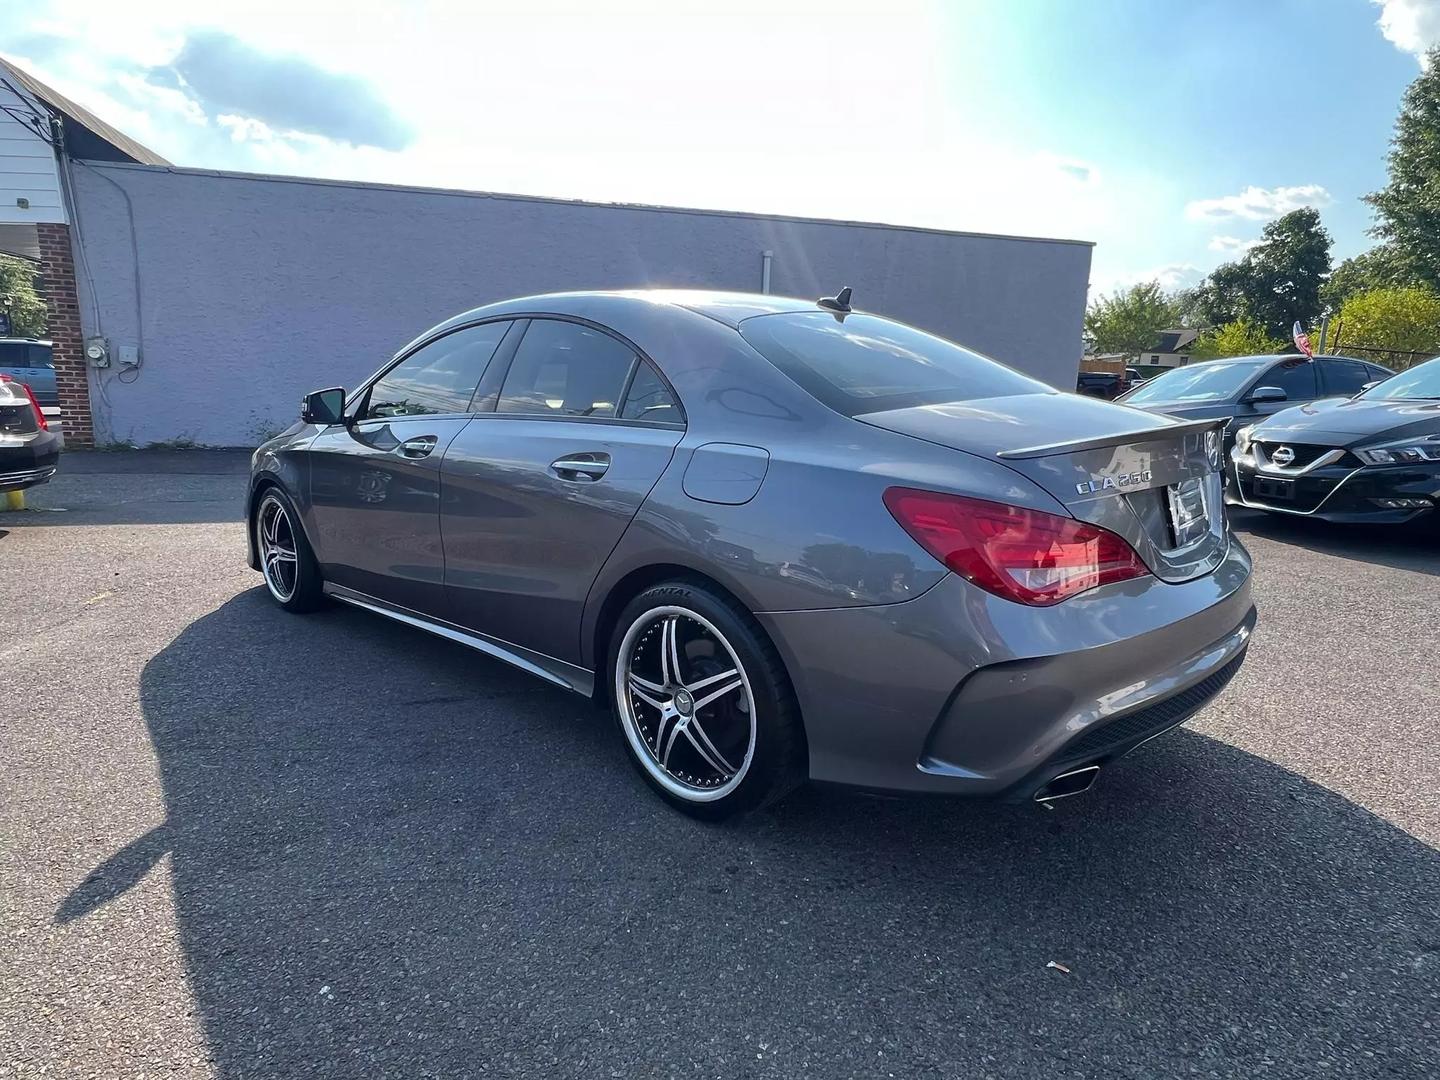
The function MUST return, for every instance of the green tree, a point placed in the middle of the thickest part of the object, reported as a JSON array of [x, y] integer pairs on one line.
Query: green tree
[[1241, 337], [19, 298], [1407, 209], [1378, 268], [1189, 305], [1277, 282], [1129, 320], [1220, 298], [1406, 319]]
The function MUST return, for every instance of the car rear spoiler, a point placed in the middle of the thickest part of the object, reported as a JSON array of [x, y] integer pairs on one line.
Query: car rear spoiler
[[1176, 430]]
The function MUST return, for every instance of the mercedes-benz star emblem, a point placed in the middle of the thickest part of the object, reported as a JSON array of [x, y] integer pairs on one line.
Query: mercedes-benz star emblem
[[1282, 456]]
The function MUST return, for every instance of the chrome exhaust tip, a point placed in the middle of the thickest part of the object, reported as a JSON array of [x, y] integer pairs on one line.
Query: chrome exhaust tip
[[1074, 782]]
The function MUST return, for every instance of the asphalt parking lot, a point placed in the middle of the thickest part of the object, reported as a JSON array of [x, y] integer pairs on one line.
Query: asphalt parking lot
[[239, 843]]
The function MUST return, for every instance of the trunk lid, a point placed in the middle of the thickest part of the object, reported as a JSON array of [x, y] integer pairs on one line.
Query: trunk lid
[[17, 415], [1152, 479]]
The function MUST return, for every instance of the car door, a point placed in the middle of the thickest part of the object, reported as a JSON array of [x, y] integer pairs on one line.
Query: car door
[[375, 480], [537, 493], [1343, 378], [1295, 375]]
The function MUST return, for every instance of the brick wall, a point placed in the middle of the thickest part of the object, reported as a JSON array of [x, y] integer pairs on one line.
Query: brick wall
[[71, 378]]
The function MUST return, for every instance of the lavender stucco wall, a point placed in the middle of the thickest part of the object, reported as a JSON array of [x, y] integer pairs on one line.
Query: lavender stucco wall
[[254, 290]]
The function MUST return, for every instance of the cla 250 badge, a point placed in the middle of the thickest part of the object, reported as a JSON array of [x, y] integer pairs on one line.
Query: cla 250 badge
[[1110, 483]]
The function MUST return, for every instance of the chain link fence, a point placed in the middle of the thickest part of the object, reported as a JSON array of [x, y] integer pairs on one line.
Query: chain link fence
[[1395, 359]]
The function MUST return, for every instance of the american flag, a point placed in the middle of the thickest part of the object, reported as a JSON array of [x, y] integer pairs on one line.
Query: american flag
[[1302, 340]]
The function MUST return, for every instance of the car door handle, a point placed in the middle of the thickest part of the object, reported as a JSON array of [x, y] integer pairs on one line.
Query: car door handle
[[581, 468], [418, 447]]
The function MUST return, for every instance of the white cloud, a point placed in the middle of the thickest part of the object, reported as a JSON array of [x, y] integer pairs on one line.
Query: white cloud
[[1257, 203], [1072, 169], [1412, 26], [1170, 276], [551, 97], [1232, 244]]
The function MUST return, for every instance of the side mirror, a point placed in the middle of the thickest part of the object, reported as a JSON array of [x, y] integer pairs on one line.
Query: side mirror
[[324, 406], [1262, 395], [1371, 385]]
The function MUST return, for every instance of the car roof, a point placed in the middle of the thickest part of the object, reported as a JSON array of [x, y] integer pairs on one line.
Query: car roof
[[729, 308], [1269, 358], [25, 341]]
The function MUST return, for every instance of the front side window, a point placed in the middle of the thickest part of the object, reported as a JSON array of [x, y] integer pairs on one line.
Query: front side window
[[565, 369], [1344, 376], [1295, 377], [436, 378], [864, 364]]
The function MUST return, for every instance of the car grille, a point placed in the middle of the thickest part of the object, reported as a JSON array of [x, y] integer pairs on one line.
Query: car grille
[[1151, 720], [1304, 454]]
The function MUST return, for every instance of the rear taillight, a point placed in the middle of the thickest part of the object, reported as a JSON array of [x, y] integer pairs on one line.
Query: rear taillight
[[39, 416], [1023, 555]]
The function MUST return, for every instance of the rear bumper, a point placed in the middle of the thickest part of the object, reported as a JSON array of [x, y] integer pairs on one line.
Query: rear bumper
[[23, 465], [1339, 493], [960, 692]]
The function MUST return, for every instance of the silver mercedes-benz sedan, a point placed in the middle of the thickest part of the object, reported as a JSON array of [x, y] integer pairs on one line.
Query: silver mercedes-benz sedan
[[780, 539]]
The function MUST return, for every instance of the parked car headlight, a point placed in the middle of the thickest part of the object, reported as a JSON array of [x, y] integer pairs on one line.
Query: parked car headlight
[[1242, 439], [1400, 454]]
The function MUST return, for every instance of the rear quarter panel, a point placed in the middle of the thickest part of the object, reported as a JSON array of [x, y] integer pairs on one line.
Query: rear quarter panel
[[817, 533]]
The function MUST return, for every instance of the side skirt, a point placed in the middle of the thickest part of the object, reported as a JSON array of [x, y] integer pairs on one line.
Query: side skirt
[[557, 672]]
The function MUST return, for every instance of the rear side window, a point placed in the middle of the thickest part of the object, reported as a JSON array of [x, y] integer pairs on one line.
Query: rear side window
[[1295, 377], [436, 378], [650, 399], [19, 354], [868, 364], [565, 369], [1344, 376]]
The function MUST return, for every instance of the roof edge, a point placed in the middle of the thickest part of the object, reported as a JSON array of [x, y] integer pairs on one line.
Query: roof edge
[[57, 102], [317, 181]]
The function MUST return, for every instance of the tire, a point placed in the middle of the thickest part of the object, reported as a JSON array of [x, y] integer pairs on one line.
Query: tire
[[293, 582], [725, 737]]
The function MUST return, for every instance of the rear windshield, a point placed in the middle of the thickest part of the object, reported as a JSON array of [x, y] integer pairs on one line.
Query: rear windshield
[[867, 364], [1211, 380]]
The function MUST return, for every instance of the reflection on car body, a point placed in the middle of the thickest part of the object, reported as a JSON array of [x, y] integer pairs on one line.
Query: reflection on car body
[[1374, 457]]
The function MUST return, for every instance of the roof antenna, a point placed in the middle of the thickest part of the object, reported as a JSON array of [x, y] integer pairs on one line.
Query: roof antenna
[[839, 302]]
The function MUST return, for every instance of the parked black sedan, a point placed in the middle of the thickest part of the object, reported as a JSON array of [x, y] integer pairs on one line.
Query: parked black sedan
[[1247, 389], [1374, 457], [29, 450]]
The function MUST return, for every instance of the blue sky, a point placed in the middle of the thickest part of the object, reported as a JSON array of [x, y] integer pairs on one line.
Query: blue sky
[[1168, 132]]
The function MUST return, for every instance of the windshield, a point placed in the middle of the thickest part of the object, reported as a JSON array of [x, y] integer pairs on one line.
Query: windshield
[[1419, 383], [867, 364], [1211, 380]]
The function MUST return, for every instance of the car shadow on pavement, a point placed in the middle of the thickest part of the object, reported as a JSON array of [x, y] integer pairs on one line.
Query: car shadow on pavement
[[392, 856], [1403, 547]]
